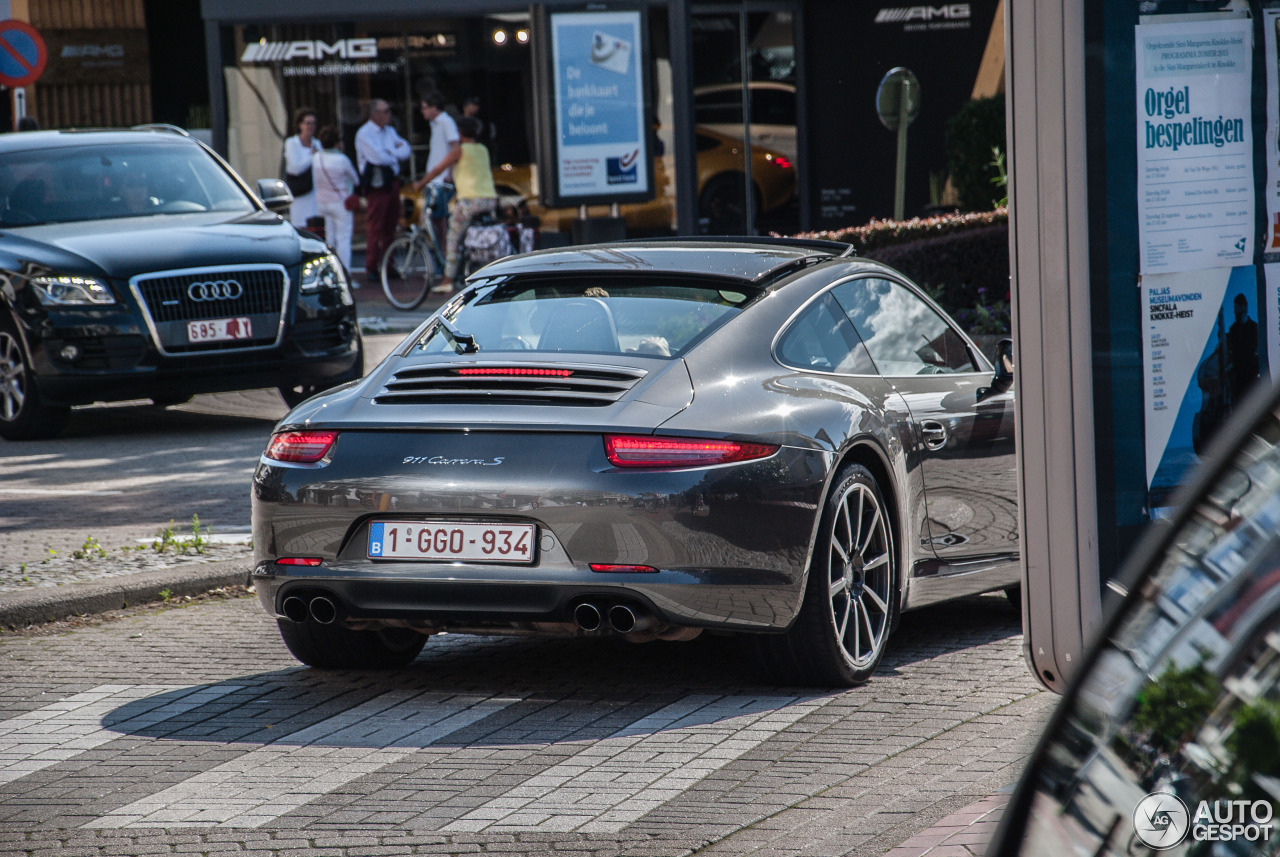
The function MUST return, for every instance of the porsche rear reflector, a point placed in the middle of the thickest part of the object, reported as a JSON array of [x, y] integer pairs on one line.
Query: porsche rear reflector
[[610, 568], [301, 447], [298, 560], [646, 451]]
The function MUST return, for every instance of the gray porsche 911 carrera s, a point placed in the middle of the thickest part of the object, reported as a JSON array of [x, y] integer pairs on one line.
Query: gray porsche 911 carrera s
[[651, 439]]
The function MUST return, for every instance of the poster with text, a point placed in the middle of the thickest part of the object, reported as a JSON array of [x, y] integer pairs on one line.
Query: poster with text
[[601, 135], [1270, 35], [1195, 145], [1200, 357]]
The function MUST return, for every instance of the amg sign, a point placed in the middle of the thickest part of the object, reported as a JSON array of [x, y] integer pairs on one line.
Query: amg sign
[[909, 14], [348, 49]]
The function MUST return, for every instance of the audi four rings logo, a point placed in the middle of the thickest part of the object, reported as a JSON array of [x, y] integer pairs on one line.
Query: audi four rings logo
[[215, 290]]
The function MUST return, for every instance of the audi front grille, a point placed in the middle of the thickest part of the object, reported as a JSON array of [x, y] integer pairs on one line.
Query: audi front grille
[[170, 300]]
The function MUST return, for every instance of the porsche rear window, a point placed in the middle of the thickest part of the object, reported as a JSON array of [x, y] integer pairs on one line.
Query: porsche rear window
[[649, 316]]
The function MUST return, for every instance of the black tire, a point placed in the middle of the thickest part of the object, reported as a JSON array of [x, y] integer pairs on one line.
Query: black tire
[[722, 205], [299, 393], [407, 271], [22, 415], [1014, 594], [332, 647], [850, 600]]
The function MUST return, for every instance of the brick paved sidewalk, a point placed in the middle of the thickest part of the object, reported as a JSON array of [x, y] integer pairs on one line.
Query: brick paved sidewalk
[[961, 834]]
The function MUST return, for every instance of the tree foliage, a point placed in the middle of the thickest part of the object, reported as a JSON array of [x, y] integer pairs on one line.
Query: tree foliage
[[972, 133]]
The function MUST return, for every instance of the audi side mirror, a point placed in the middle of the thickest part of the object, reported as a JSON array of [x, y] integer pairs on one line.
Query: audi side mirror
[[275, 195], [1168, 737]]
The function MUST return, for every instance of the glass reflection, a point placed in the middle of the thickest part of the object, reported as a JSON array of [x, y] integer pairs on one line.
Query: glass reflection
[[1184, 701]]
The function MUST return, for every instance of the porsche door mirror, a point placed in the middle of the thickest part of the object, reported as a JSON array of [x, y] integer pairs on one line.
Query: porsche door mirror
[[1003, 379]]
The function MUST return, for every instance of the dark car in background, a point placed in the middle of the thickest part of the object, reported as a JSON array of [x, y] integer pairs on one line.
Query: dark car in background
[[135, 264], [1168, 739], [648, 439]]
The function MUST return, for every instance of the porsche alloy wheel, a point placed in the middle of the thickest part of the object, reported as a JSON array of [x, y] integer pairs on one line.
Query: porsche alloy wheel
[[857, 568], [850, 599]]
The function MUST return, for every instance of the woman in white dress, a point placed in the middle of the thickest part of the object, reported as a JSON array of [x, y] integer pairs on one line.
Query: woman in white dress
[[298, 152], [335, 180]]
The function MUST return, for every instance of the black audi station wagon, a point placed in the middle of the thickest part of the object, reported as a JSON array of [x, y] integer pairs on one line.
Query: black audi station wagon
[[136, 264]]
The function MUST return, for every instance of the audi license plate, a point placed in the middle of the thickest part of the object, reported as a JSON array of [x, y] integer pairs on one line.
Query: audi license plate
[[450, 541], [219, 330]]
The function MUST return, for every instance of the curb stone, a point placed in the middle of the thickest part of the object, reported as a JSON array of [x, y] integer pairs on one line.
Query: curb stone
[[51, 603]]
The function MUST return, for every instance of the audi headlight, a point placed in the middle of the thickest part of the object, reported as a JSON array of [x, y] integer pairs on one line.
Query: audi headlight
[[71, 291], [325, 272]]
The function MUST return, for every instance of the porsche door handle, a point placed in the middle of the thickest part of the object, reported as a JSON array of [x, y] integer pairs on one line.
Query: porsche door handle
[[933, 434]]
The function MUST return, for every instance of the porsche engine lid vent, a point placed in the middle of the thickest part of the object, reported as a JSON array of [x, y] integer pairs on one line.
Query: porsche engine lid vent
[[526, 384]]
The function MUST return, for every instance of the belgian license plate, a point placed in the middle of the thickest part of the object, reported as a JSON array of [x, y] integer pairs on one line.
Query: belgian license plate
[[219, 330], [451, 541]]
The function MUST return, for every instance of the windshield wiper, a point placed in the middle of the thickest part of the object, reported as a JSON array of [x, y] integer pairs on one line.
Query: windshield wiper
[[466, 341]]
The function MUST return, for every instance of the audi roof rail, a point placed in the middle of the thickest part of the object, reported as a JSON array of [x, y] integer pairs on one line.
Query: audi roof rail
[[160, 126]]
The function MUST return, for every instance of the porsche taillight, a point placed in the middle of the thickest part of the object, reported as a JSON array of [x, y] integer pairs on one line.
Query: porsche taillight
[[647, 451], [300, 447]]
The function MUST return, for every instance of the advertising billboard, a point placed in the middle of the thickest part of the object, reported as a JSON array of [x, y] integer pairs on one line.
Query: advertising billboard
[[594, 73]]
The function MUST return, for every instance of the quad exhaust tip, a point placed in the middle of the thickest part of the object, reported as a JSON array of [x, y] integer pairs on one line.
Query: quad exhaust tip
[[294, 609], [323, 611], [588, 616], [622, 619]]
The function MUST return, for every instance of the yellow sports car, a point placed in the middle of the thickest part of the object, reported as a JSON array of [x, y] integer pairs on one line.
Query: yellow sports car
[[721, 199]]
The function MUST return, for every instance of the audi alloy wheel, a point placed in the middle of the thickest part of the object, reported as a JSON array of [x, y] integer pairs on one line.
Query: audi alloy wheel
[[22, 415]]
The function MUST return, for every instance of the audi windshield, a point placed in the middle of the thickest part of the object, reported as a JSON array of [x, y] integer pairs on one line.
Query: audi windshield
[[81, 183]]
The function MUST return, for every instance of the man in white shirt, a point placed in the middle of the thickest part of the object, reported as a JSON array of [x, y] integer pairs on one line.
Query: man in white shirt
[[379, 151], [445, 150]]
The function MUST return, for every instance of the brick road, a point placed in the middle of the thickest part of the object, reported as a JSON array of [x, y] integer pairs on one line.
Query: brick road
[[192, 731]]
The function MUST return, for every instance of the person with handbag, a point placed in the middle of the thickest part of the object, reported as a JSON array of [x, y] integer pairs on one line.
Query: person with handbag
[[298, 152], [336, 198], [379, 151]]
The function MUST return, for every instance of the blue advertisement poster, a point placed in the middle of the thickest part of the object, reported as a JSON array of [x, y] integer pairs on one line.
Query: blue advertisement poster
[[1200, 353], [598, 76]]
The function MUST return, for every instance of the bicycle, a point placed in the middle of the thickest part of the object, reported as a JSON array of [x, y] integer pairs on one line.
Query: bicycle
[[412, 262]]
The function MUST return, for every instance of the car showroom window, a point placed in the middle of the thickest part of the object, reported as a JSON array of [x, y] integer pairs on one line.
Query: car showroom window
[[904, 335], [822, 338]]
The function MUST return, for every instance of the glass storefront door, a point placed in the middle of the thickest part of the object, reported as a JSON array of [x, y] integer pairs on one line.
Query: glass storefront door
[[745, 107]]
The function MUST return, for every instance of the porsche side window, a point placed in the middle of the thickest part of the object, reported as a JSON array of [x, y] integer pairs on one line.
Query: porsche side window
[[821, 338], [904, 335]]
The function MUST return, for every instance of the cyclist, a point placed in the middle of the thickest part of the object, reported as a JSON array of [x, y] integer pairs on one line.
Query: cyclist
[[442, 154], [476, 195]]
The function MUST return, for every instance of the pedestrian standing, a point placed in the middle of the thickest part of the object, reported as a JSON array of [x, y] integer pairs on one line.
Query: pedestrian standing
[[441, 157], [336, 180], [298, 153], [477, 195], [379, 151]]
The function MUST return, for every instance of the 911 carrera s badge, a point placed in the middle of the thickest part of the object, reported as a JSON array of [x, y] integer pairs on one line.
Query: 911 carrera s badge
[[440, 459]]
